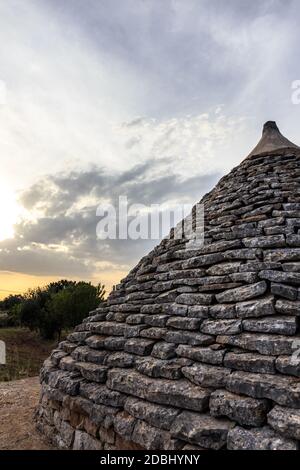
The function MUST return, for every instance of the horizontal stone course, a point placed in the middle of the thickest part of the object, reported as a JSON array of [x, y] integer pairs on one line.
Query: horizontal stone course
[[282, 390], [258, 439], [179, 393], [244, 410], [242, 293], [207, 375], [261, 343], [221, 327], [201, 429], [279, 325], [155, 415], [201, 354], [250, 362]]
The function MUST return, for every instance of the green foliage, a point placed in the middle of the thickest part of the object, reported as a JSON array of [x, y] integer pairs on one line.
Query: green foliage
[[9, 302], [60, 305]]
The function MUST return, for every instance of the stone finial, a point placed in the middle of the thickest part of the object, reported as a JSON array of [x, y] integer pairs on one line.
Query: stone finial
[[272, 140]]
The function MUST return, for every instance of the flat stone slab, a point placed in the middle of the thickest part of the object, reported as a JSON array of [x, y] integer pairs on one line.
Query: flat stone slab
[[258, 439], [203, 430], [242, 293], [286, 421], [244, 410], [282, 390], [180, 393]]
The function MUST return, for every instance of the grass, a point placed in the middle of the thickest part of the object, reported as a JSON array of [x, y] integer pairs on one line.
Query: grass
[[25, 353]]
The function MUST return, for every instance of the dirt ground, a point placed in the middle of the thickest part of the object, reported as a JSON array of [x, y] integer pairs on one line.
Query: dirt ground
[[17, 402], [25, 353]]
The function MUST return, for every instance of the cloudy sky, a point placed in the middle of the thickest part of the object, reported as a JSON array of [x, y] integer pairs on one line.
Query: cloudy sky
[[151, 99]]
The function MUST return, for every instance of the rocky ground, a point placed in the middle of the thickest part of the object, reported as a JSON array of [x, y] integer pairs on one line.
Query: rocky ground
[[17, 402]]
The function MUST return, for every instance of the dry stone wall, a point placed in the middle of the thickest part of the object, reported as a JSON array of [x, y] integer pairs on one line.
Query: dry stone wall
[[195, 349]]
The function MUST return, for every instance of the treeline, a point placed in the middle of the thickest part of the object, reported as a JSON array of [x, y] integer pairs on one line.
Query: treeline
[[53, 308]]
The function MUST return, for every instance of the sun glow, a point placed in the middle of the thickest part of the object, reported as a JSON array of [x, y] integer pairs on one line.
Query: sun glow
[[9, 211]]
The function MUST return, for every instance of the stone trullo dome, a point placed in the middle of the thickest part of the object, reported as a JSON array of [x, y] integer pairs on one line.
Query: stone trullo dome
[[196, 349]]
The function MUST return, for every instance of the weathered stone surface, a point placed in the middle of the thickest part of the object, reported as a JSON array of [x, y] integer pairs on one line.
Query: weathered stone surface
[[291, 267], [242, 293], [184, 323], [288, 307], [282, 390], [250, 362], [258, 439], [286, 254], [204, 260], [124, 424], [286, 421], [175, 309], [133, 331], [64, 382], [207, 375], [139, 346], [242, 254], [93, 372], [264, 344], [249, 278], [289, 365], [110, 328], [151, 309], [135, 319], [223, 268], [277, 276], [256, 266], [186, 337], [66, 433], [221, 327], [107, 342], [153, 333], [74, 339], [57, 355], [202, 430], [194, 299], [270, 241], [101, 395], [282, 290], [67, 346], [163, 350], [222, 311], [84, 353], [106, 436], [168, 369], [156, 320], [206, 355], [78, 405], [279, 325], [244, 410], [156, 415], [255, 308], [84, 441], [120, 359], [68, 363], [198, 311], [180, 393], [150, 437]]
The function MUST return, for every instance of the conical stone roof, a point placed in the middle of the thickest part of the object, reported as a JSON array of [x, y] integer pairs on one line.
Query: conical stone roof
[[196, 349]]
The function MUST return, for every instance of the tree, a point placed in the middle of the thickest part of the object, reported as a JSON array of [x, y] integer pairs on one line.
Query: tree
[[10, 301], [70, 306], [57, 286], [60, 305]]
